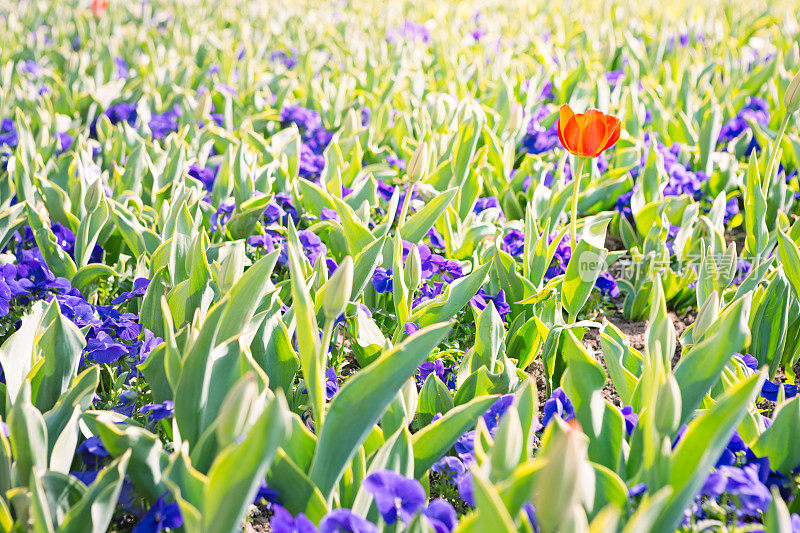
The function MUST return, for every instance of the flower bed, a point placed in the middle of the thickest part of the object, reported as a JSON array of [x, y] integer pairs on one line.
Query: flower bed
[[402, 267]]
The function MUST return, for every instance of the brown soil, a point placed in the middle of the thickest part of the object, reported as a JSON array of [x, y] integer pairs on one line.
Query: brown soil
[[635, 333], [614, 243], [738, 236], [258, 520], [536, 369], [349, 367]]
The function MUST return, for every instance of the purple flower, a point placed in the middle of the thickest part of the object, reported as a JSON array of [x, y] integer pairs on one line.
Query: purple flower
[[270, 240], [162, 124], [286, 58], [159, 517], [31, 68], [317, 140], [396, 496], [78, 311], [731, 209], [104, 350], [139, 288], [159, 411], [64, 142], [466, 490], [743, 268], [121, 68], [10, 287], [636, 490], [283, 522], [560, 259], [305, 119], [92, 452], [410, 328], [437, 241], [539, 139], [409, 32], [330, 214], [436, 367], [222, 215], [493, 415], [769, 391], [514, 242], [631, 419], [87, 477], [489, 202], [613, 77], [530, 515], [482, 299], [678, 436], [283, 201], [312, 245], [345, 521], [311, 163], [385, 190], [395, 162], [441, 515], [449, 468], [623, 204], [205, 175], [140, 350], [465, 447], [755, 110], [607, 285], [8, 133], [382, 280], [331, 383], [117, 113], [749, 361], [557, 405], [122, 325], [742, 483]]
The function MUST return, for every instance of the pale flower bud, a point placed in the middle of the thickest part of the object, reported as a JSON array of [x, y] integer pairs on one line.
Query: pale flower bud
[[515, 120], [413, 270], [668, 406], [338, 290], [791, 98], [418, 163]]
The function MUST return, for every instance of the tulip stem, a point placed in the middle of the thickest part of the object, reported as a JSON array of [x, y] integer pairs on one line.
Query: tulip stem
[[406, 201], [573, 221], [327, 334], [774, 155]]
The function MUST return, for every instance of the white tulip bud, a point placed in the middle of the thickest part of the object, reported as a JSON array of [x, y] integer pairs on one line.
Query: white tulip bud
[[338, 290], [791, 98], [418, 163]]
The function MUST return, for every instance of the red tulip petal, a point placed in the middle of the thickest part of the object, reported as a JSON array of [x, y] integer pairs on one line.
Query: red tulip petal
[[594, 133], [572, 136], [565, 114], [568, 129], [613, 129]]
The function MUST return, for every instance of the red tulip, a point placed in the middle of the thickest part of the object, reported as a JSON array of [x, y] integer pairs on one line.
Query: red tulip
[[588, 134], [99, 7]]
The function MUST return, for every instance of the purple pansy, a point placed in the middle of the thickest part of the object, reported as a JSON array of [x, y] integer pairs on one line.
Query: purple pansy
[[162, 124], [557, 405], [103, 349], [345, 521], [160, 516], [159, 411], [396, 496], [139, 288], [282, 521]]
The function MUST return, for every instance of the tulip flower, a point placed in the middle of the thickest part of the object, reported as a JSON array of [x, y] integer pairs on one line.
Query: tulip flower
[[99, 7], [588, 134], [585, 135]]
